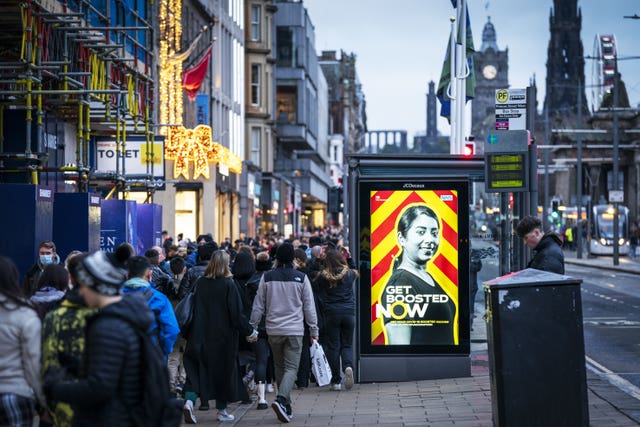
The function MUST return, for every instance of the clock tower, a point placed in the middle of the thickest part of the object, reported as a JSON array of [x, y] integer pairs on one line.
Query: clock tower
[[491, 66]]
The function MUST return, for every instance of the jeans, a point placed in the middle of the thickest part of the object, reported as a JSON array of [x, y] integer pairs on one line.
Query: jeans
[[286, 352], [262, 351], [339, 329], [177, 374]]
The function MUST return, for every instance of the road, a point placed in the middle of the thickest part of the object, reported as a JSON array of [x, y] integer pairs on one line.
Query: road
[[611, 314]]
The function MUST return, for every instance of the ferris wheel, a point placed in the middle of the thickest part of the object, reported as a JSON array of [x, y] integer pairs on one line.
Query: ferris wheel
[[605, 57]]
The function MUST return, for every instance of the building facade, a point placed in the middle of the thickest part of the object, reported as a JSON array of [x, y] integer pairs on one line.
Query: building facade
[[565, 91], [259, 111], [492, 72], [300, 177], [347, 120], [204, 125]]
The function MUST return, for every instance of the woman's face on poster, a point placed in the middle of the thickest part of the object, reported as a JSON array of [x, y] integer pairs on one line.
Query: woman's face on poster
[[421, 241]]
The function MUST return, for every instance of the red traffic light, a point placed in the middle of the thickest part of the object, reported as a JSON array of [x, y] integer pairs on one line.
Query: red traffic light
[[469, 149]]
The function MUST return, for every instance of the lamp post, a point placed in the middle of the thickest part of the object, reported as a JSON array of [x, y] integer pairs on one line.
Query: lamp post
[[616, 142], [579, 177]]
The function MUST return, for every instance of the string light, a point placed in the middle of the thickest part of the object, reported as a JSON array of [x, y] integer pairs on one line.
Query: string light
[[183, 146]]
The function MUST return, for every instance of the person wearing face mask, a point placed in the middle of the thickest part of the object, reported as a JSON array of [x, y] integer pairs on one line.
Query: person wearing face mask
[[421, 312], [46, 255]]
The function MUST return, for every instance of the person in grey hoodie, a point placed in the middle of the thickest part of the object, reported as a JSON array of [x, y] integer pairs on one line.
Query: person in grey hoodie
[[286, 299]]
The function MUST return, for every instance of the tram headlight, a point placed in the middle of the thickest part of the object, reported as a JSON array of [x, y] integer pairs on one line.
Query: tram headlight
[[621, 241], [603, 242]]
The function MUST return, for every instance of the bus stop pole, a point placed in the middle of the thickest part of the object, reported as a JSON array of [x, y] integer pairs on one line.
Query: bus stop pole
[[505, 235]]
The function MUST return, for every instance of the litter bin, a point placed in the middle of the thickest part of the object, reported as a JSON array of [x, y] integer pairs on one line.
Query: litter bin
[[536, 350]]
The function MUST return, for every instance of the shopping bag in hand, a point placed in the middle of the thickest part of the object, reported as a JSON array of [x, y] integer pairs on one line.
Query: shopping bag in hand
[[320, 365]]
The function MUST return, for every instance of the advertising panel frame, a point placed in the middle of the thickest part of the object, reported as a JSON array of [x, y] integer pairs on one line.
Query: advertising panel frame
[[412, 192], [106, 156]]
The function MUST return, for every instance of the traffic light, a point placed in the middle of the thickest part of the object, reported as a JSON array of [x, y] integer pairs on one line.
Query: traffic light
[[335, 199], [555, 209], [469, 149]]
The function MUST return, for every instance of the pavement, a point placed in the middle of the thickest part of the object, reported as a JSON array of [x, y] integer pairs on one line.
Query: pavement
[[435, 403]]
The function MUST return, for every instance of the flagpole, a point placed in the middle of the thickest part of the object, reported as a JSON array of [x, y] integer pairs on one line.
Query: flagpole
[[461, 75], [451, 89]]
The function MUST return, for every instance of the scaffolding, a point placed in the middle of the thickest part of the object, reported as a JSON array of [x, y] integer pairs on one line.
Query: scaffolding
[[80, 63]]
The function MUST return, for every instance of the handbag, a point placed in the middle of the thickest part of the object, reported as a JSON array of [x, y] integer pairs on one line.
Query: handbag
[[320, 365], [184, 311]]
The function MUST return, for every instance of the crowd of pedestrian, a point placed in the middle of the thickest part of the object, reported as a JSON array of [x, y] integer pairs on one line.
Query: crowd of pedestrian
[[70, 352]]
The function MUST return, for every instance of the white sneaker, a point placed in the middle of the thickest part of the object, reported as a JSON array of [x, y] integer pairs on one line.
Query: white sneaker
[[335, 387], [348, 378], [225, 416], [270, 388], [189, 417]]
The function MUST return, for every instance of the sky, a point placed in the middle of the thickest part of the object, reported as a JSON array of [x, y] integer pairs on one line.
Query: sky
[[400, 46]]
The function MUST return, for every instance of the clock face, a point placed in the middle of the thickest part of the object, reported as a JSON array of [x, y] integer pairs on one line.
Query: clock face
[[489, 72]]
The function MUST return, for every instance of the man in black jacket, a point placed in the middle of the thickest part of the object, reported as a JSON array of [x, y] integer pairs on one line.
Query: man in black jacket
[[111, 383], [546, 247]]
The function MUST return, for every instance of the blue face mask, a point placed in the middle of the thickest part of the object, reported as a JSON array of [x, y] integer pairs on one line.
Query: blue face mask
[[46, 259]]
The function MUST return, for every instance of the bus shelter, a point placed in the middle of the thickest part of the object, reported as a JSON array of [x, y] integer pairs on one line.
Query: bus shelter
[[409, 229]]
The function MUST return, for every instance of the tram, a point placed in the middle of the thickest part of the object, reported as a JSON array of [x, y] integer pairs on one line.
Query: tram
[[601, 241]]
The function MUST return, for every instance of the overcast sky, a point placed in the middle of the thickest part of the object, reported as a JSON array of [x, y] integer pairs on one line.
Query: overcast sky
[[400, 46]]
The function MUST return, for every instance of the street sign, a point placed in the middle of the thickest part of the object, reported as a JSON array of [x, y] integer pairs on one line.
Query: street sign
[[506, 156], [511, 109], [616, 196]]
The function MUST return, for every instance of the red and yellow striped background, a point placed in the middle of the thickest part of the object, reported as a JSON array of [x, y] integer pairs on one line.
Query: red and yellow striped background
[[386, 209]]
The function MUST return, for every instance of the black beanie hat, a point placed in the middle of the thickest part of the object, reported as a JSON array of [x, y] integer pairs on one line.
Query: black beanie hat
[[285, 253]]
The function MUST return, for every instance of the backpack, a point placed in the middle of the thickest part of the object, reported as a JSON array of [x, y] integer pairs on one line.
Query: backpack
[[158, 408]]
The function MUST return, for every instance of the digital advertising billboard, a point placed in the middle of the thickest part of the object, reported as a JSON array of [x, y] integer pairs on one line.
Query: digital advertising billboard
[[414, 278]]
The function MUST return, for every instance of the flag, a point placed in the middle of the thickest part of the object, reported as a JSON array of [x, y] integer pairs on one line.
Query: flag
[[193, 77], [445, 74]]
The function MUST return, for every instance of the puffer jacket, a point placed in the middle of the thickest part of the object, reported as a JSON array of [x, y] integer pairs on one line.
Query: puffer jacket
[[20, 351], [112, 379], [548, 255]]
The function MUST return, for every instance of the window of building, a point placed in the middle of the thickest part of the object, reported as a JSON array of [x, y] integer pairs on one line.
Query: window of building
[[286, 104], [255, 145], [255, 22], [285, 47], [255, 84]]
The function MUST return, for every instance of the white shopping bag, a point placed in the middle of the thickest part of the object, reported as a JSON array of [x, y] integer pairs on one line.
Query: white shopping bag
[[320, 365]]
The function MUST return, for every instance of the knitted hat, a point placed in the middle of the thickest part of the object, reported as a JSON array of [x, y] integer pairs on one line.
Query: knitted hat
[[102, 273], [285, 253]]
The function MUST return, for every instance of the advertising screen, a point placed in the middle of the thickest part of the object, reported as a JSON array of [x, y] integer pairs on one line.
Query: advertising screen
[[416, 297]]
